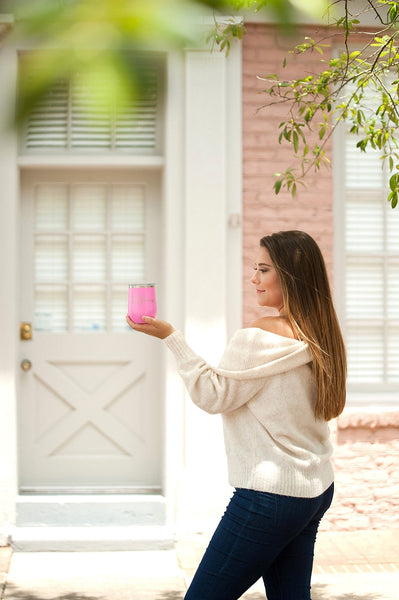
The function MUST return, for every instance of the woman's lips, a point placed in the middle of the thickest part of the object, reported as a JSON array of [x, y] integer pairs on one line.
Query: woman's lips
[[260, 291]]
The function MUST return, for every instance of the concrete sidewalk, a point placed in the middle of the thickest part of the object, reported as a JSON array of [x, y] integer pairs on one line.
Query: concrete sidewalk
[[362, 565]]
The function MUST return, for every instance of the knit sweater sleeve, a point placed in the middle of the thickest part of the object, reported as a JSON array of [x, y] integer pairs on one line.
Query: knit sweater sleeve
[[214, 390], [251, 356]]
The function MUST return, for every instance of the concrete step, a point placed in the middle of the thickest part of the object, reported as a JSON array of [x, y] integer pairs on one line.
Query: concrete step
[[77, 510], [91, 539]]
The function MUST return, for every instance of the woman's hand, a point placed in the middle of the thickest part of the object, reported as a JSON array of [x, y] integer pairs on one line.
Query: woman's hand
[[154, 327]]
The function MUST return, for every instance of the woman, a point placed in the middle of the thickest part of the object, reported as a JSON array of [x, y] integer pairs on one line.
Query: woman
[[278, 383]]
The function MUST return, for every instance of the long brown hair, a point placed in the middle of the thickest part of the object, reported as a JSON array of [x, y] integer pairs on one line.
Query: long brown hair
[[309, 308]]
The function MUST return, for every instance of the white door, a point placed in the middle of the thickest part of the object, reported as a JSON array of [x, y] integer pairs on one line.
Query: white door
[[89, 399]]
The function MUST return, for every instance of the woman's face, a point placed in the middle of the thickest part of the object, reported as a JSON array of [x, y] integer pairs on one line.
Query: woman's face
[[267, 283]]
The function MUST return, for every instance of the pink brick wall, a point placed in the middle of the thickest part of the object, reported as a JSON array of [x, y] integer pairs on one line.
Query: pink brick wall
[[263, 211], [366, 459], [366, 443]]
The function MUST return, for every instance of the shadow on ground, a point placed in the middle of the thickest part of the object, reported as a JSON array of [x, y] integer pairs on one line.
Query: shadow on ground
[[320, 591], [13, 592], [170, 596]]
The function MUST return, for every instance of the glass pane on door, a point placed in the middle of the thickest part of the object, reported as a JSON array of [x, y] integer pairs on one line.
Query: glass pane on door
[[51, 258], [89, 306], [89, 207], [89, 244], [89, 258], [51, 308]]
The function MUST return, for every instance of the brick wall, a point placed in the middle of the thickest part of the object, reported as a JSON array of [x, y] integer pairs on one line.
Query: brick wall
[[366, 443], [366, 458], [263, 211]]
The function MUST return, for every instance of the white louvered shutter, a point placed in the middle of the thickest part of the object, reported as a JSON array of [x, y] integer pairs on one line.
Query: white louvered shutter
[[371, 272], [61, 121], [47, 123]]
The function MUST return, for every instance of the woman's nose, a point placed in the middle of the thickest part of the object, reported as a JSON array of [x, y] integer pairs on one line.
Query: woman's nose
[[254, 278]]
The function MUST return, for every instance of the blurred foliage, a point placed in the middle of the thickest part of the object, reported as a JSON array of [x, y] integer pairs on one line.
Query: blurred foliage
[[103, 40]]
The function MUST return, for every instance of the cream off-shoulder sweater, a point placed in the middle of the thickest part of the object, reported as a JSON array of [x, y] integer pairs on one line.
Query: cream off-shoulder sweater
[[265, 391]]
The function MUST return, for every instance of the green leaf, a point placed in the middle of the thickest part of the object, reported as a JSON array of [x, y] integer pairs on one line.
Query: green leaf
[[295, 141], [363, 144], [277, 186], [270, 76], [287, 134], [308, 115], [393, 182], [300, 132], [393, 12], [393, 199]]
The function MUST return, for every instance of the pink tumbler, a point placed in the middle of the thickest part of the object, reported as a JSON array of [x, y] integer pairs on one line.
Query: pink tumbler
[[142, 301]]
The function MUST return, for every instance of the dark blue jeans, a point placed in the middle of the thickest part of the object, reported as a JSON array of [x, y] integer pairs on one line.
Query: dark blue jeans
[[261, 535]]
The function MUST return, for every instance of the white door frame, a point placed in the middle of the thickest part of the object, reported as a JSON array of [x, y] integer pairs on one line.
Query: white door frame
[[202, 265], [8, 295]]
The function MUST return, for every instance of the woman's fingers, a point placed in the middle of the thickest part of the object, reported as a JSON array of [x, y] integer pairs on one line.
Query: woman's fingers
[[154, 327]]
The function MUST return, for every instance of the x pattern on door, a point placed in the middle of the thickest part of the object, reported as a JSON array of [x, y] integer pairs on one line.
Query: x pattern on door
[[91, 402], [90, 415]]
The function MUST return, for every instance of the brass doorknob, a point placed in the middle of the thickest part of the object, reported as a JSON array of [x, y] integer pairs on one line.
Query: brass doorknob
[[26, 364], [25, 331]]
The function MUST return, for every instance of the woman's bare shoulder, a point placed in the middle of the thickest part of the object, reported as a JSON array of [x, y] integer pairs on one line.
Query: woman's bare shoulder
[[276, 325]]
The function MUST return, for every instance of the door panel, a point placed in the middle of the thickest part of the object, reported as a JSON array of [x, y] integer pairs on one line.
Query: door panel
[[89, 408], [88, 416]]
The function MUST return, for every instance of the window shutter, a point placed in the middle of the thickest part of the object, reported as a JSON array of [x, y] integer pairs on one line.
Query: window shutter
[[364, 221], [363, 170], [364, 285], [47, 123], [371, 270], [136, 123], [62, 121], [365, 349], [392, 295], [89, 130], [393, 355]]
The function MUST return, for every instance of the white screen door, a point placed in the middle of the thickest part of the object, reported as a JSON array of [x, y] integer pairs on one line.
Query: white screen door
[[89, 406]]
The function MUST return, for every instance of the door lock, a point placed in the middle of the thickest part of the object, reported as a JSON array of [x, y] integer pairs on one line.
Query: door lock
[[25, 331], [26, 364]]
